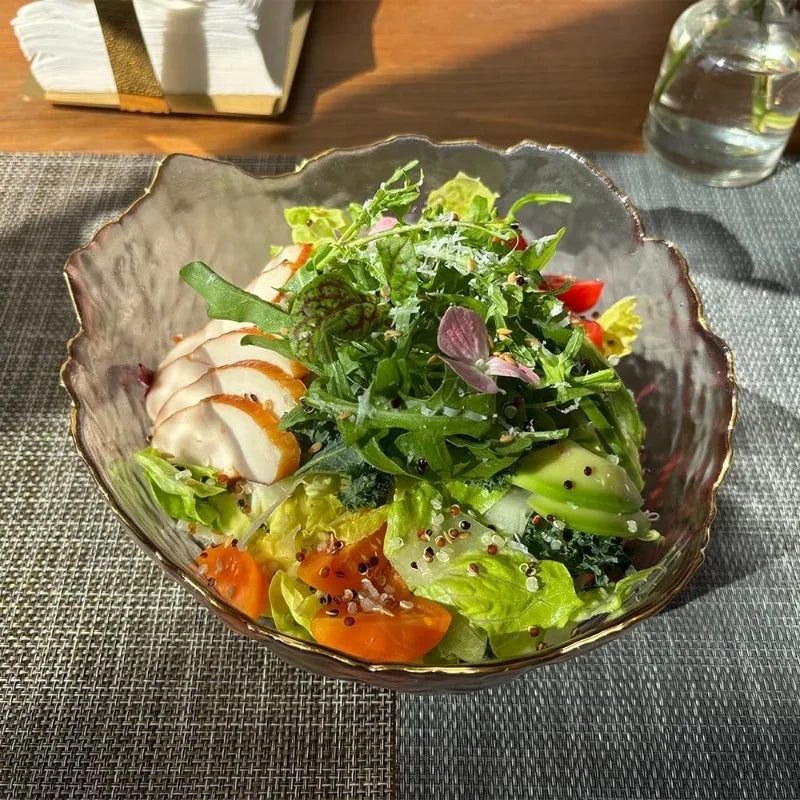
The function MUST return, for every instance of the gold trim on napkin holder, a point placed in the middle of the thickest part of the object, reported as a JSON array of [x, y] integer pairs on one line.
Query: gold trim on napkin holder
[[137, 85]]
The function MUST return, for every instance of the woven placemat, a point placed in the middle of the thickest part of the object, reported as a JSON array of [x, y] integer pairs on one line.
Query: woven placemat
[[116, 684], [702, 701]]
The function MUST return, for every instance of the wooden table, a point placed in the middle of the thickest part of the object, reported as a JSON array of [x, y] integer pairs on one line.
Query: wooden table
[[575, 72]]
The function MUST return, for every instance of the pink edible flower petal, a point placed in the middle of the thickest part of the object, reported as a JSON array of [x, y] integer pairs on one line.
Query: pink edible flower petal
[[472, 376], [499, 366], [383, 224], [463, 335]]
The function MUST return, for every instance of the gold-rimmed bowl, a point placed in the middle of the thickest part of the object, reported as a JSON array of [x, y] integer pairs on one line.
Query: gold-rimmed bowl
[[130, 301]]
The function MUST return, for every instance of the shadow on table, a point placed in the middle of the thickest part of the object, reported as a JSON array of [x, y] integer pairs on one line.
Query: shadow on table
[[724, 256], [745, 535]]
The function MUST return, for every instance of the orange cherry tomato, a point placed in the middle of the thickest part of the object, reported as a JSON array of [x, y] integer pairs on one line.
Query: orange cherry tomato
[[237, 578], [373, 615], [580, 297], [594, 330], [401, 633], [332, 573]]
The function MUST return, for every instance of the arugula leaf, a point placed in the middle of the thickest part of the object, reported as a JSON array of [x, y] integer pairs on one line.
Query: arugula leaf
[[226, 301], [281, 346], [540, 251], [538, 198]]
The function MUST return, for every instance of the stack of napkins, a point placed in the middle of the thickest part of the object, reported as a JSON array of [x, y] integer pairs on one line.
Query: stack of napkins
[[210, 48]]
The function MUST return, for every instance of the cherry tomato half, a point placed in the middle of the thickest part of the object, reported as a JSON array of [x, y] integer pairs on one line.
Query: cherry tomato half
[[580, 297]]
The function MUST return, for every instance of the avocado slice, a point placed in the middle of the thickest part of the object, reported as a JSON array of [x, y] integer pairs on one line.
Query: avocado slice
[[565, 472], [631, 525]]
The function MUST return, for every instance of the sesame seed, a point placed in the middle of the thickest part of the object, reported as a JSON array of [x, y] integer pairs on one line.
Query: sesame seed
[[534, 630], [324, 572], [492, 549], [473, 569], [541, 646], [300, 556], [537, 520], [406, 604], [339, 573], [362, 567], [332, 612], [506, 438], [441, 541], [347, 595], [464, 525], [455, 510], [352, 608], [550, 517], [315, 448], [374, 561], [428, 554], [349, 621]]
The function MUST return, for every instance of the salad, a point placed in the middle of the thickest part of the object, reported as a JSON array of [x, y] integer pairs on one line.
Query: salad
[[405, 439]]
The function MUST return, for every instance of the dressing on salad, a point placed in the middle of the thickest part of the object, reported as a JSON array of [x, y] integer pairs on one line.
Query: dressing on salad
[[404, 440]]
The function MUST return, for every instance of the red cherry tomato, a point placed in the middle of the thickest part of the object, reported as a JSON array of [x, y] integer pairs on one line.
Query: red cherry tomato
[[593, 330], [580, 297]]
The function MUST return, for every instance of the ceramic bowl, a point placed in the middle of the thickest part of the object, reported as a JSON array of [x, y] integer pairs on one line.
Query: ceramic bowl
[[130, 301]]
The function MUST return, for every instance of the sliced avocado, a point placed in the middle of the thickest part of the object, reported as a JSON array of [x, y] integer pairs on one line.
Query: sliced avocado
[[629, 525], [569, 474]]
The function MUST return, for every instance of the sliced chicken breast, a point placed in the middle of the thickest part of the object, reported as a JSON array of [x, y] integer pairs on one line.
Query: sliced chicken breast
[[277, 271], [256, 380], [216, 352], [233, 434]]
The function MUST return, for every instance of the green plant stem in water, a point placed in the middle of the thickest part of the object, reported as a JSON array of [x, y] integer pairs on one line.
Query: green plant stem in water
[[762, 86]]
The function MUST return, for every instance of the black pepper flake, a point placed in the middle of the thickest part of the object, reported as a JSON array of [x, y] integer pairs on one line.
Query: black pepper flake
[[587, 470], [422, 465], [234, 543], [374, 561], [300, 556], [396, 402], [324, 572], [492, 549], [349, 621], [521, 280], [204, 554], [339, 573], [362, 567], [534, 630], [414, 565], [527, 426], [537, 520], [568, 484], [464, 525], [550, 518]]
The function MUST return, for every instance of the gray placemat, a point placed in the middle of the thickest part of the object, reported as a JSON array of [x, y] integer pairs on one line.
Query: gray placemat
[[115, 684], [702, 701]]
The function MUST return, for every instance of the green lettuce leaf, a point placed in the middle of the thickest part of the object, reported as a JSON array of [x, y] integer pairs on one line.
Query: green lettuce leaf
[[457, 194], [475, 496], [494, 593], [462, 642], [292, 605], [313, 224], [195, 497]]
